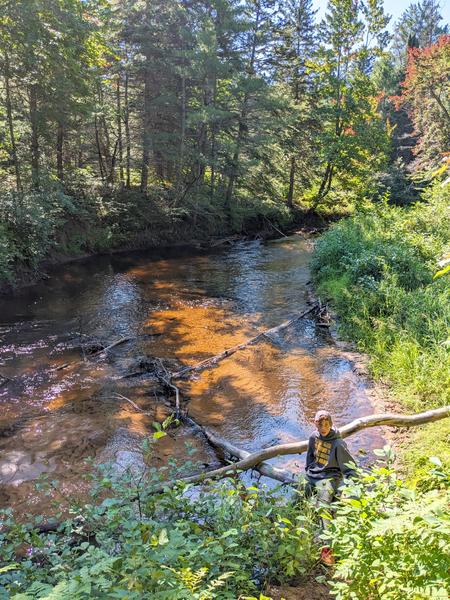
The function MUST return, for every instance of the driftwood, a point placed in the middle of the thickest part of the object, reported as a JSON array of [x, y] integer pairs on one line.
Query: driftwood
[[276, 228], [256, 458], [167, 380], [213, 360], [264, 468], [224, 241], [118, 396], [94, 354], [249, 461], [218, 442]]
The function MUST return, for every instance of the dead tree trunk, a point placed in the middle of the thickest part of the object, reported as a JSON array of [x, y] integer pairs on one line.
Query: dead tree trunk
[[9, 114], [127, 133], [32, 96], [60, 152], [119, 128]]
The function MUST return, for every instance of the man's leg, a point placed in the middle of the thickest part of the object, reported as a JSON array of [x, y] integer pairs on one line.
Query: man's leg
[[304, 487], [326, 490]]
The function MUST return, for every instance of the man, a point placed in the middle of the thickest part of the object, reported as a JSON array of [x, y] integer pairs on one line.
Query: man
[[327, 462]]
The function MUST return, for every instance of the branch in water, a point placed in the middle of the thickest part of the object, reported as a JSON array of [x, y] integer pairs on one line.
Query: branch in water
[[213, 360]]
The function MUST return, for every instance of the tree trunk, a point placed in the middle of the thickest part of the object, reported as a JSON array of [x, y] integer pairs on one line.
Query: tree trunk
[[99, 150], [9, 116], [183, 128], [325, 184], [257, 458], [59, 152], [242, 130], [32, 96], [119, 130], [147, 116], [146, 137], [127, 133], [290, 197], [213, 141]]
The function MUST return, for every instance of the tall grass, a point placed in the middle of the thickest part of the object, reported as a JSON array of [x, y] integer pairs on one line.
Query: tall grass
[[378, 270]]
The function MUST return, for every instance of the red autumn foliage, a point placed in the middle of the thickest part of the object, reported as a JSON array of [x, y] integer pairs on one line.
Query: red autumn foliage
[[424, 70]]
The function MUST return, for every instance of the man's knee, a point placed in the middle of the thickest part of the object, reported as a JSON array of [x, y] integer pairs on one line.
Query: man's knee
[[325, 490]]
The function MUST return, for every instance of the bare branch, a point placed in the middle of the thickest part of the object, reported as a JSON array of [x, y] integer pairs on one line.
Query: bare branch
[[213, 360]]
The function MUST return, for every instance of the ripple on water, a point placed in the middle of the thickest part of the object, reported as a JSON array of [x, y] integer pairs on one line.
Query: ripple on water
[[184, 307]]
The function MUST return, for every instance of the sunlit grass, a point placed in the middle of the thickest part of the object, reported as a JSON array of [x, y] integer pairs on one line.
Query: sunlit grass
[[377, 269]]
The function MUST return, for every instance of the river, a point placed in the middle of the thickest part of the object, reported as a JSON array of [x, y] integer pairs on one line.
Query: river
[[174, 304]]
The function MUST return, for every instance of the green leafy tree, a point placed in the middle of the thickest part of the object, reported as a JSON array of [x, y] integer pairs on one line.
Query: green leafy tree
[[419, 26], [294, 52], [353, 141]]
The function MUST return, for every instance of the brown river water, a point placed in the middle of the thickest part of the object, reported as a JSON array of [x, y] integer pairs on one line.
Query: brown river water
[[175, 304]]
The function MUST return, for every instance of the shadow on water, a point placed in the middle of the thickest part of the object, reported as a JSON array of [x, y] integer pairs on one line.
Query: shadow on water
[[175, 305]]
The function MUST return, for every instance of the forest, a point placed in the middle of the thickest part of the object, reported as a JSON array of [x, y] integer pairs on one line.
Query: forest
[[141, 124], [125, 122]]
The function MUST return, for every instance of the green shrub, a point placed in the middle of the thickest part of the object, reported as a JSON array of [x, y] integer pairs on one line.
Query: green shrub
[[377, 268], [220, 542], [391, 541], [30, 223]]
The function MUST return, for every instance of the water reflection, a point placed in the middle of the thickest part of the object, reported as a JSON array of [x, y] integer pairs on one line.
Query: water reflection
[[175, 306]]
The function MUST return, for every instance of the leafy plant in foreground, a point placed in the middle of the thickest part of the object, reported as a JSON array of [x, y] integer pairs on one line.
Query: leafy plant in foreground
[[392, 541], [131, 542]]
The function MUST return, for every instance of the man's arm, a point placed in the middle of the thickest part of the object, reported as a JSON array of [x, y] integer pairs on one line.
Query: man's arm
[[344, 457], [310, 452]]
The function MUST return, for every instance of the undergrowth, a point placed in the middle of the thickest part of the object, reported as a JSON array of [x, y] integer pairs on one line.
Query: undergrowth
[[136, 539], [56, 222], [392, 540]]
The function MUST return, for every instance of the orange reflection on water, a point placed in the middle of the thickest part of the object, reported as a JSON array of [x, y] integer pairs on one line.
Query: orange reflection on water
[[193, 332], [260, 380]]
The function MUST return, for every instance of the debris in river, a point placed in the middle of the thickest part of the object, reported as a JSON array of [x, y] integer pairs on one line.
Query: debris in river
[[213, 360], [99, 352], [257, 459]]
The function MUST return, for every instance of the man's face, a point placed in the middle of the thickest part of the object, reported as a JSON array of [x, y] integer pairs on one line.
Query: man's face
[[323, 426]]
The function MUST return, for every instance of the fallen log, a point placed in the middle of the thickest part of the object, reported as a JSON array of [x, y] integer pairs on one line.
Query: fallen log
[[276, 228], [213, 360], [167, 380], [94, 354], [256, 458], [264, 468], [113, 345], [118, 396]]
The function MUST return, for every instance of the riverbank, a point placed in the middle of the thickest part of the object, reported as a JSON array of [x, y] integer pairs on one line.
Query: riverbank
[[378, 270], [51, 227], [235, 537]]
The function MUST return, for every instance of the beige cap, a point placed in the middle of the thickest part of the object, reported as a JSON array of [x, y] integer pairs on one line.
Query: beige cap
[[322, 414]]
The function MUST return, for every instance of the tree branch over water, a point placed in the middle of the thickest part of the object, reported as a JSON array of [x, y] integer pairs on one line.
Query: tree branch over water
[[257, 458], [213, 360]]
